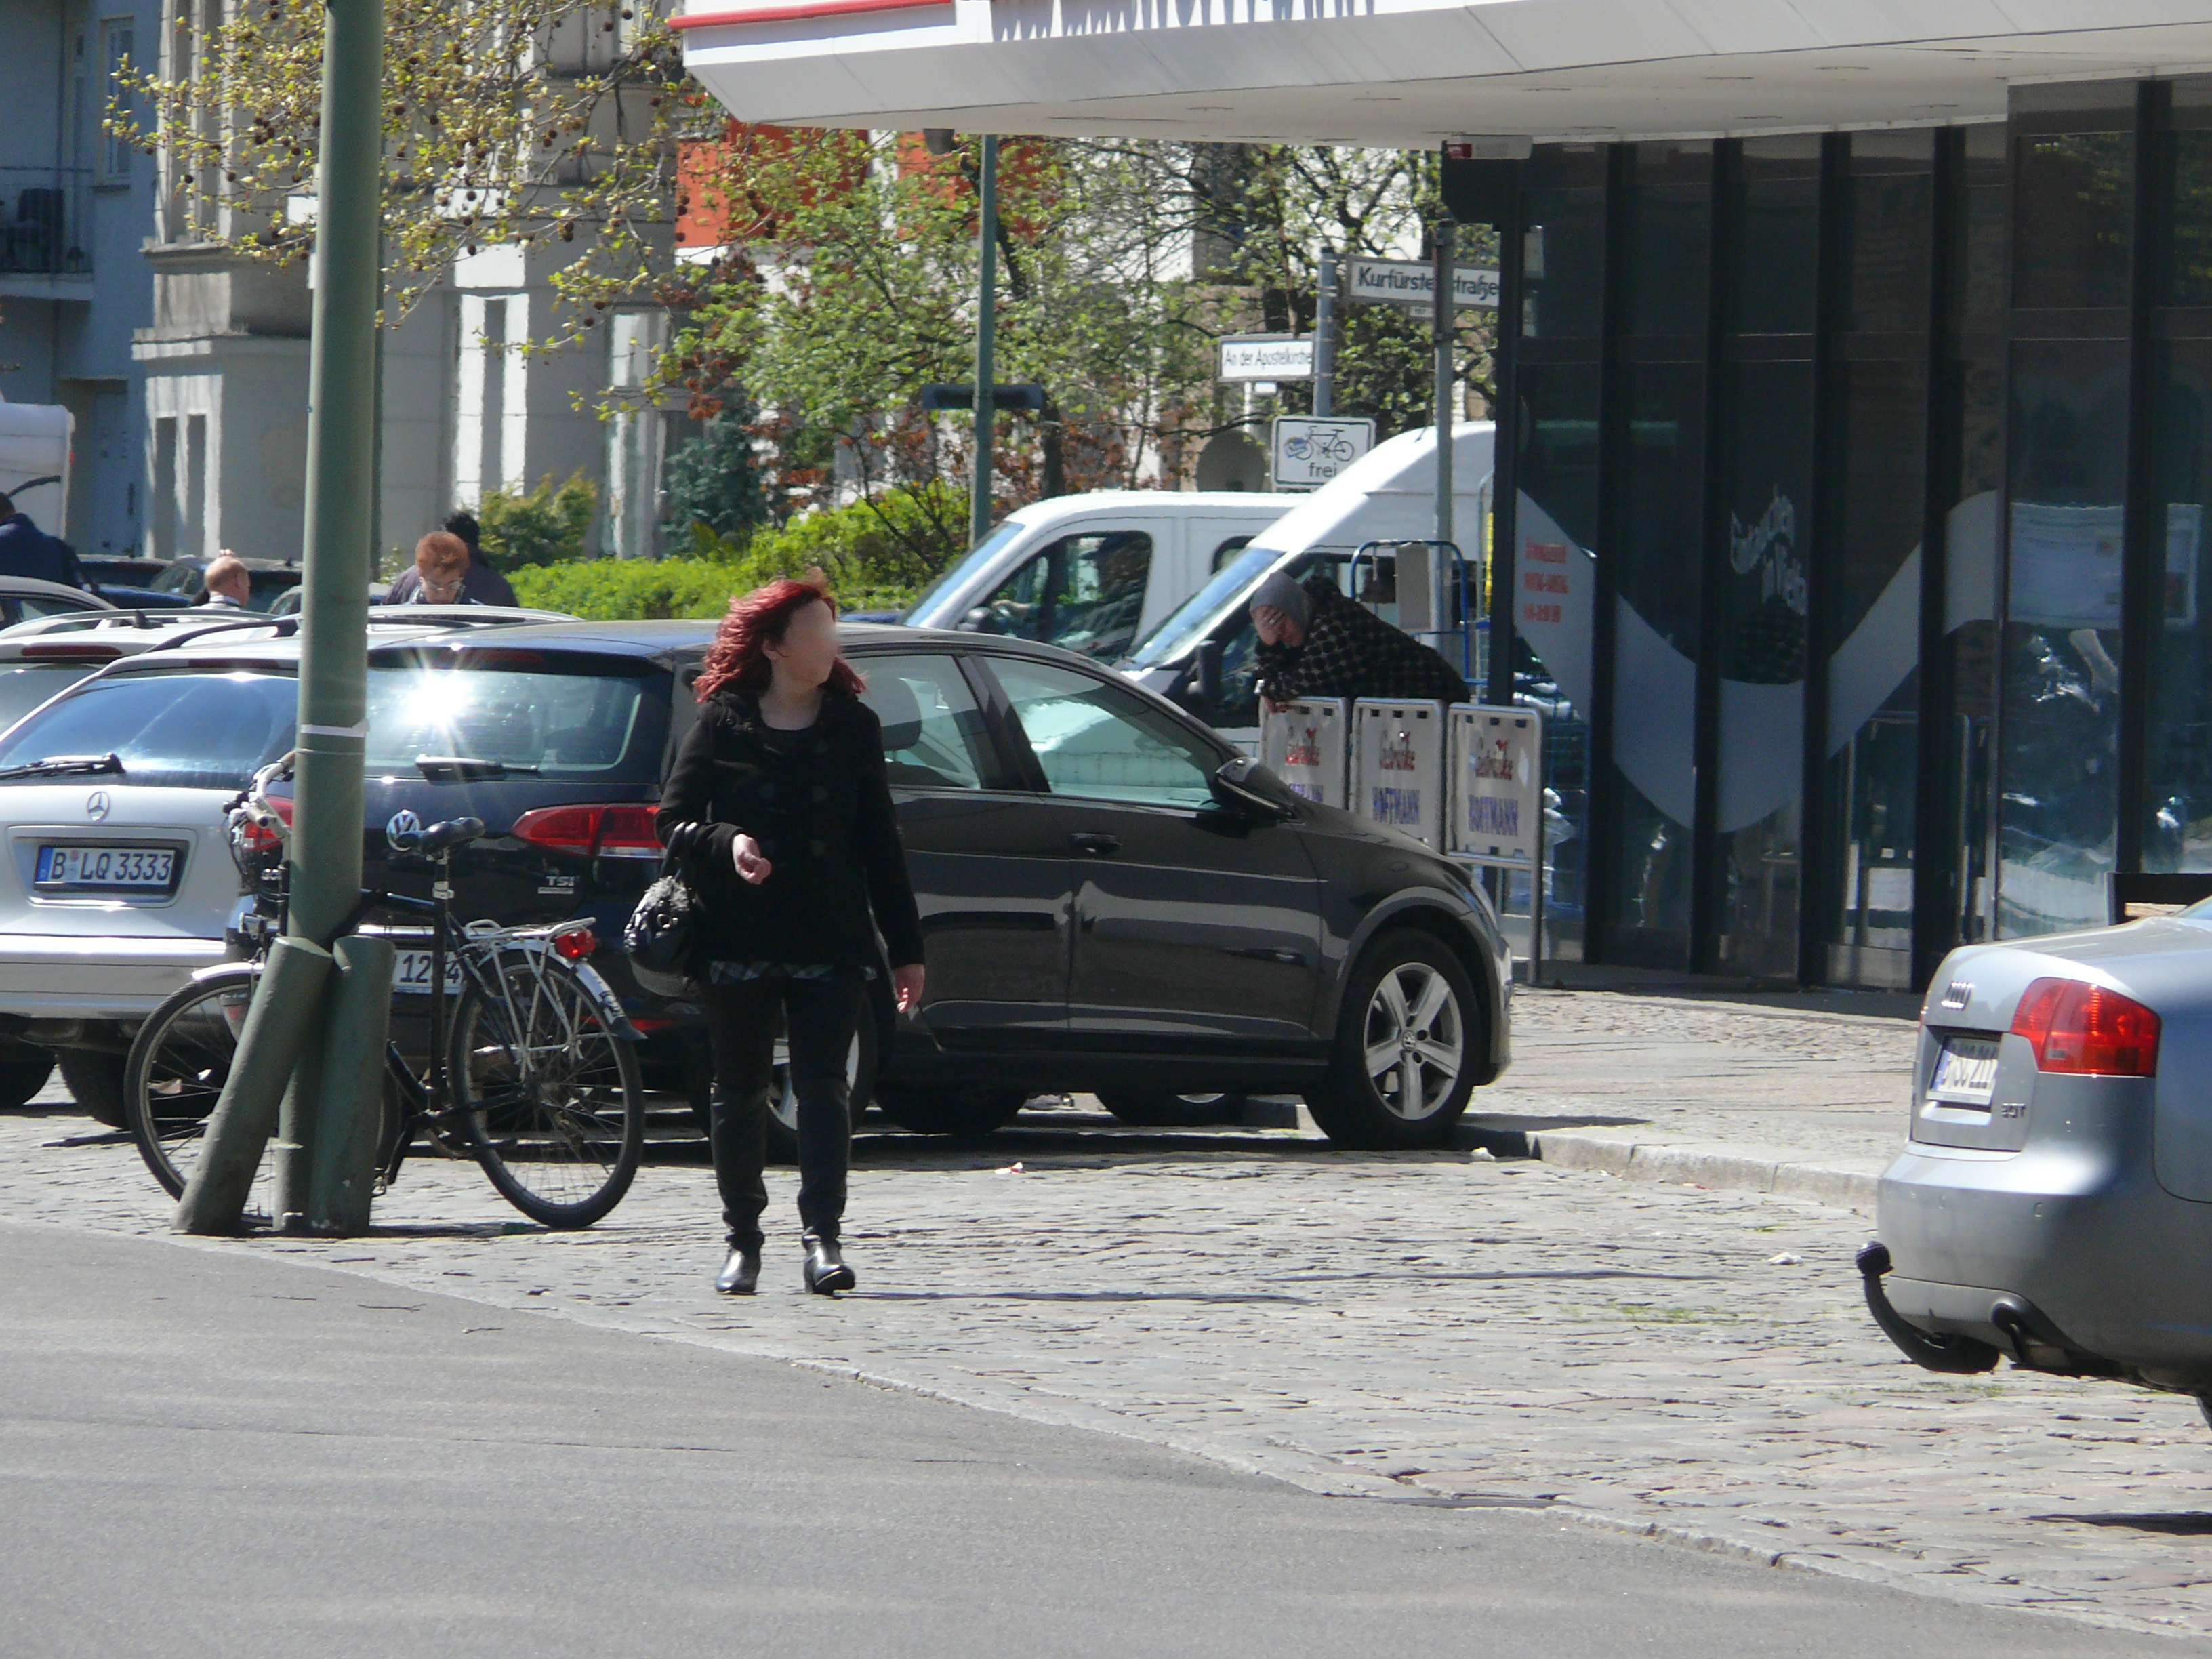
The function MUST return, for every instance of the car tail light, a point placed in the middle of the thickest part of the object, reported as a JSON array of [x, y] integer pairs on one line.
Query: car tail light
[[620, 831], [575, 943], [2079, 1027]]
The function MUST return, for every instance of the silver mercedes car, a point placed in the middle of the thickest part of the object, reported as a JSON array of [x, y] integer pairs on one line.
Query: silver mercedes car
[[2054, 1202]]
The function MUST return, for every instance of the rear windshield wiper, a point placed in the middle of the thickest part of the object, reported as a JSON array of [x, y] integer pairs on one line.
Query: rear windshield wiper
[[110, 762], [469, 766]]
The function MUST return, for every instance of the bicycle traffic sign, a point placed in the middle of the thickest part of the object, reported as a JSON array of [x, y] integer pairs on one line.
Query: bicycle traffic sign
[[1311, 450]]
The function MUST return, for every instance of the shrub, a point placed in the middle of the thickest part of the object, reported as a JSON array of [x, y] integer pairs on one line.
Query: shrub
[[712, 481], [542, 527], [631, 589]]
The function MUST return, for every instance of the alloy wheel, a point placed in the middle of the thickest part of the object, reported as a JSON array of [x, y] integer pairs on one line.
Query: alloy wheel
[[1415, 1041]]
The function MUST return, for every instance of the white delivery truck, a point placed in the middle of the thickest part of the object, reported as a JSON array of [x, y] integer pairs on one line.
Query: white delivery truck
[[1202, 656], [34, 461], [1096, 573]]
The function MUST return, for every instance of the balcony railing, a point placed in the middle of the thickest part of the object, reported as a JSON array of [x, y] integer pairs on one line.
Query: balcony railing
[[46, 220]]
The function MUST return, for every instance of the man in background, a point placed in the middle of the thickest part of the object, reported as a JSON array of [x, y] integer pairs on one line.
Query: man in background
[[229, 588], [1315, 642], [28, 550], [486, 584]]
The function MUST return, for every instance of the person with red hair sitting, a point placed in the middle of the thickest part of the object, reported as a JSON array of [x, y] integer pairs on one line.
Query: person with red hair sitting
[[778, 808]]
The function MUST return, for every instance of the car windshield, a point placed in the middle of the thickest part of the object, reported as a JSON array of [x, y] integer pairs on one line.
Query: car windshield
[[1199, 614], [545, 713], [179, 729], [923, 613]]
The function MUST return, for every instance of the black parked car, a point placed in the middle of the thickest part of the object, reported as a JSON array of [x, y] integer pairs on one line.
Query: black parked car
[[1114, 900]]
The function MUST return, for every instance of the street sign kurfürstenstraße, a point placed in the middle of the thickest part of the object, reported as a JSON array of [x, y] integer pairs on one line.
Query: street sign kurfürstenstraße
[[1411, 283], [1309, 450]]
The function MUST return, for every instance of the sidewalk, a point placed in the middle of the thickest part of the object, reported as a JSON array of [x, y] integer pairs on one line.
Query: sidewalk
[[1801, 1093]]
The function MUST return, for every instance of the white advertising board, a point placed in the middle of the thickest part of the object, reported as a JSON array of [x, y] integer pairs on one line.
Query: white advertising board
[[1398, 766], [1496, 784], [1267, 357], [1306, 745], [1413, 282], [1310, 449]]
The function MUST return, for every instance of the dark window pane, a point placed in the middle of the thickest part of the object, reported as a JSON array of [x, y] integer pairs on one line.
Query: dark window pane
[[1563, 269], [1670, 235], [2186, 278], [2177, 748], [1983, 223], [1891, 218], [1866, 892], [2061, 647], [2071, 192], [1766, 457], [1654, 664], [1775, 278]]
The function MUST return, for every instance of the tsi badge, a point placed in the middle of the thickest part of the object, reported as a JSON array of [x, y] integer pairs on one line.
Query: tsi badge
[[97, 805], [404, 829]]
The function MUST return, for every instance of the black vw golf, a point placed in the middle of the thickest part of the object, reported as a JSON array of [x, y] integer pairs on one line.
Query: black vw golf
[[1114, 900]]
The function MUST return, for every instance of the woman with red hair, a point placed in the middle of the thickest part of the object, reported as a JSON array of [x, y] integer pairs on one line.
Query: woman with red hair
[[778, 806]]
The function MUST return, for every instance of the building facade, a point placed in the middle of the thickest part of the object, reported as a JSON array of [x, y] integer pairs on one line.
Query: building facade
[[75, 205], [1860, 371]]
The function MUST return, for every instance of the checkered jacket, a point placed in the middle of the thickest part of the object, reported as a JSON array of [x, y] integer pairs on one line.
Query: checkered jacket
[[1350, 652]]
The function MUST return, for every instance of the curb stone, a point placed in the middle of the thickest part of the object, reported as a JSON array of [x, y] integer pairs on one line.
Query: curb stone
[[1692, 1165]]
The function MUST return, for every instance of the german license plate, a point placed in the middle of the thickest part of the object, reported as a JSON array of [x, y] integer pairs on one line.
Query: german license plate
[[1965, 1071], [107, 869], [411, 974]]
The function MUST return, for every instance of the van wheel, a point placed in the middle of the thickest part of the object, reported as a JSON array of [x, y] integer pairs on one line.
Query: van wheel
[[970, 1114], [783, 1103], [95, 1082], [23, 1072], [1152, 1110], [1408, 1038]]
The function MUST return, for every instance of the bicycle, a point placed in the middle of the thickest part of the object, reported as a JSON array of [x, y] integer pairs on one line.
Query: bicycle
[[534, 1075]]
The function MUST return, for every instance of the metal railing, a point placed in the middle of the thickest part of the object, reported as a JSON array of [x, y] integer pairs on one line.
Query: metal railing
[[46, 220]]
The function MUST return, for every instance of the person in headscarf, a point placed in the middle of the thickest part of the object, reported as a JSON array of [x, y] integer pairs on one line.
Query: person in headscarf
[[1315, 642]]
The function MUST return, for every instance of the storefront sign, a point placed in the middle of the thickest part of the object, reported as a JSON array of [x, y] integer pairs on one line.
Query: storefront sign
[[1398, 766], [1413, 282], [1304, 745], [1496, 784], [1310, 450], [1267, 357]]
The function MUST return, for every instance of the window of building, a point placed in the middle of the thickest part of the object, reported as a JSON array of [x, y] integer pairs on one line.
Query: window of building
[[118, 50]]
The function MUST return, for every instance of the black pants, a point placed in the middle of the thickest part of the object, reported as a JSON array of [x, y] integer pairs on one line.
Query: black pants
[[741, 1021]]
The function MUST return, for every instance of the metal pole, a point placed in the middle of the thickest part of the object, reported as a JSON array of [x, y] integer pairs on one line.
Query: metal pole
[[987, 381], [327, 844], [1447, 377], [1324, 387]]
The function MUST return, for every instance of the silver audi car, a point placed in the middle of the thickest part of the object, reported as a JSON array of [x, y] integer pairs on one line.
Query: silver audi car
[[2054, 1203]]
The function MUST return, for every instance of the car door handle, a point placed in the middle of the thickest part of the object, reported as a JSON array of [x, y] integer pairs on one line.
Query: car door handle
[[1096, 844]]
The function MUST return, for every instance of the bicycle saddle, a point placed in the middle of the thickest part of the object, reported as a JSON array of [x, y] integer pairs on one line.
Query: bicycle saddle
[[437, 837]]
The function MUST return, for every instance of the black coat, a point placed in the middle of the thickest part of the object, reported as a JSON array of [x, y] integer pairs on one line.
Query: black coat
[[822, 815]]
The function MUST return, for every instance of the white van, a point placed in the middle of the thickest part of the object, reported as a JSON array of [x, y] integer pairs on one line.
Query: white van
[[1202, 656], [1096, 573], [35, 462]]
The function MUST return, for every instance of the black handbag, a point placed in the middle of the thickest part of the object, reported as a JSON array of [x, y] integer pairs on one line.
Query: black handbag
[[663, 932]]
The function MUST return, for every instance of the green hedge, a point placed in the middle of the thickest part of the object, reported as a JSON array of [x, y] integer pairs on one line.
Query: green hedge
[[625, 589]]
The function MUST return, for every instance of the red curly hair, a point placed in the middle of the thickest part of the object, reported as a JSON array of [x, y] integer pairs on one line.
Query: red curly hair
[[738, 655]]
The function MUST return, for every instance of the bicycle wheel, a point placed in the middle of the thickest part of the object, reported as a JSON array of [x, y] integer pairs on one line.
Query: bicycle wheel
[[548, 1095], [179, 1062]]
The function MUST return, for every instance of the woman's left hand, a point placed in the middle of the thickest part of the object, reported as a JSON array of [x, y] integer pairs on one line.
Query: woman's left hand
[[906, 987]]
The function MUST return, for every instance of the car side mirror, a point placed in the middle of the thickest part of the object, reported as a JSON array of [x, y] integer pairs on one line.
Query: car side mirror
[[975, 621], [1248, 790], [1205, 672]]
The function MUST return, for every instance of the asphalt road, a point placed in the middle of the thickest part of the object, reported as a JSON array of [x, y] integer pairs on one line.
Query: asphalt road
[[210, 1451]]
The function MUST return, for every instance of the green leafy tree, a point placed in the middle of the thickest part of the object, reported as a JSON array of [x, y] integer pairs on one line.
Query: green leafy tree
[[714, 480], [548, 525]]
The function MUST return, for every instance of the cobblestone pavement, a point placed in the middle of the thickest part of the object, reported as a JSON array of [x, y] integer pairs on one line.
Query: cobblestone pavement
[[1437, 1327]]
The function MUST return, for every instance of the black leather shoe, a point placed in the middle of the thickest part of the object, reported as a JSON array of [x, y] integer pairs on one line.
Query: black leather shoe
[[826, 1272], [740, 1274]]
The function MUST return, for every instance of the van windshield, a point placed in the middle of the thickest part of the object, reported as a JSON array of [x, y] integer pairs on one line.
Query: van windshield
[[942, 595], [1197, 615]]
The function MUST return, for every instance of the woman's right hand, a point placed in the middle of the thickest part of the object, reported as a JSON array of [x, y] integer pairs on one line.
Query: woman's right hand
[[752, 863]]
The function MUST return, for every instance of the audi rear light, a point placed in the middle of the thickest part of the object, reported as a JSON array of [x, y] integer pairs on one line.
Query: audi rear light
[[2078, 1027], [619, 830]]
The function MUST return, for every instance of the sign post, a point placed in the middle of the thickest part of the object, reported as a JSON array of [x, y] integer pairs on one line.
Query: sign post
[[1398, 766], [1304, 744], [1413, 282]]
